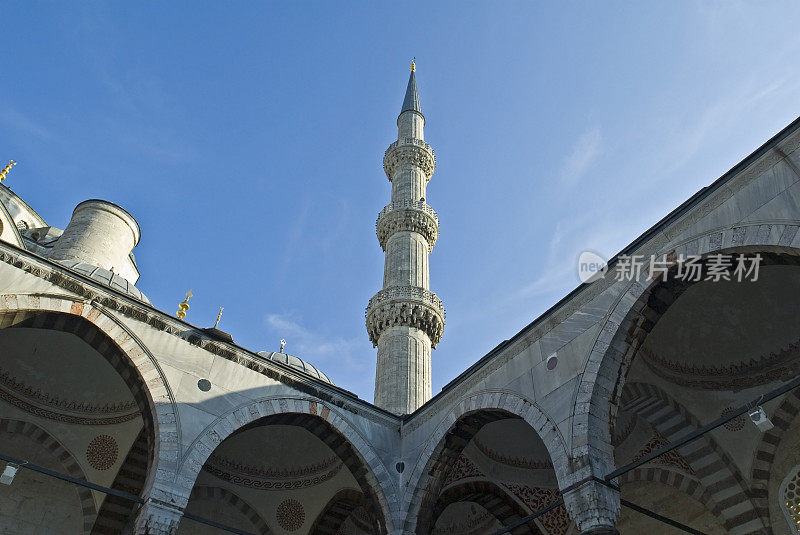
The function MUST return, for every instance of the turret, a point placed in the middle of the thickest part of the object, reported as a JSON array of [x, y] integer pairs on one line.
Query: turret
[[102, 234], [405, 319]]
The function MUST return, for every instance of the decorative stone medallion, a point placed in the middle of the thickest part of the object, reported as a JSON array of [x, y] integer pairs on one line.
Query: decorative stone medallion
[[102, 452], [290, 515], [737, 424]]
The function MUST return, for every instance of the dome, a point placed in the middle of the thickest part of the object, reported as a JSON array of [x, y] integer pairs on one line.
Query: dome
[[294, 362], [106, 277]]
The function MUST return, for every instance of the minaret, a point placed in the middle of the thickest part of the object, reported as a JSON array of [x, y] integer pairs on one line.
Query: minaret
[[405, 320]]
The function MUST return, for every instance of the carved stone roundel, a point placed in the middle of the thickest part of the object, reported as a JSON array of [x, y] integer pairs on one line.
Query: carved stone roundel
[[102, 452], [737, 424], [290, 514]]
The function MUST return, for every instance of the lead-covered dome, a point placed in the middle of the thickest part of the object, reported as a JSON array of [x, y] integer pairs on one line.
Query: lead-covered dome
[[106, 277], [300, 364]]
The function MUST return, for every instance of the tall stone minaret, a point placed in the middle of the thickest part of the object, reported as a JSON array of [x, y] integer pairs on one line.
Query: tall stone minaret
[[405, 320]]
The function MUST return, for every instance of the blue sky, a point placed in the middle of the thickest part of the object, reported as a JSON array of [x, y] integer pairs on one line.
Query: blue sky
[[247, 139]]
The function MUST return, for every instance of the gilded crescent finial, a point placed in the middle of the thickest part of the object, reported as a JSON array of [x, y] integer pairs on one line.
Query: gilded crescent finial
[[6, 169], [184, 305]]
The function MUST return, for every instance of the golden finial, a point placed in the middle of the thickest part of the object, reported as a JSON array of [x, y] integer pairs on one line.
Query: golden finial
[[283, 344], [219, 316], [413, 65], [184, 305], [6, 169]]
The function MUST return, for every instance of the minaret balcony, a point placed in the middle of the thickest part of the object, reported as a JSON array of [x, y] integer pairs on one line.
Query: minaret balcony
[[409, 151], [409, 306], [411, 216]]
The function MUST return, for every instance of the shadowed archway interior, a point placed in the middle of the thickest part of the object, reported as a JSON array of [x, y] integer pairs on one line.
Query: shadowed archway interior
[[695, 351], [490, 469], [297, 473], [109, 419]]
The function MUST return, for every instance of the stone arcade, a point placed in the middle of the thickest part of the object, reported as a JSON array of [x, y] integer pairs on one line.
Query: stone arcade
[[98, 385]]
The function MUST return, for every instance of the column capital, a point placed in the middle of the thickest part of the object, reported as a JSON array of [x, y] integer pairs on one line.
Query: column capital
[[157, 518], [594, 508]]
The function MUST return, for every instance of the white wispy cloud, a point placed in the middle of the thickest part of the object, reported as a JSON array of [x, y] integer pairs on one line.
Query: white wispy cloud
[[17, 121], [337, 356], [584, 154], [293, 239]]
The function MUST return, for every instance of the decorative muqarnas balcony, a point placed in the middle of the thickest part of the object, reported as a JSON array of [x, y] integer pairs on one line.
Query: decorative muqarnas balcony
[[409, 151], [409, 306], [412, 216]]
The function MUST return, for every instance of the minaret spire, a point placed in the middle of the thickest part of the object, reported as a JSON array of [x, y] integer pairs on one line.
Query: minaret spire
[[411, 102], [405, 320]]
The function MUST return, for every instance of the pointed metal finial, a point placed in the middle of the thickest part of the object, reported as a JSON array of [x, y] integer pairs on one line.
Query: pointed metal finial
[[283, 344], [6, 169], [413, 65], [184, 305], [219, 316]]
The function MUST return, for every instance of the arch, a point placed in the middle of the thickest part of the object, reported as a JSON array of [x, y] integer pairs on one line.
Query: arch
[[130, 477], [709, 462], [338, 508], [789, 497], [673, 479], [764, 455], [689, 485], [63, 456], [123, 350], [231, 498], [318, 418], [501, 504], [634, 314], [453, 433]]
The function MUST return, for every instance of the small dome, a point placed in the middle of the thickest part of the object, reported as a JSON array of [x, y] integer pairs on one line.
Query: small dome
[[300, 364], [106, 277]]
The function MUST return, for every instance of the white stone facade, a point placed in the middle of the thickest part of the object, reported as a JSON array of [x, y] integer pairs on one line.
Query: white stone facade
[[198, 429]]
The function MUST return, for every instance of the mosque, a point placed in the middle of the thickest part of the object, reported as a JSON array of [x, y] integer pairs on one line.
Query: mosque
[[660, 396]]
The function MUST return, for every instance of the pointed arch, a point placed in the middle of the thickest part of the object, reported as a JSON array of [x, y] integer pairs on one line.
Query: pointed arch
[[322, 420], [639, 307], [713, 468], [452, 434], [492, 497], [129, 357]]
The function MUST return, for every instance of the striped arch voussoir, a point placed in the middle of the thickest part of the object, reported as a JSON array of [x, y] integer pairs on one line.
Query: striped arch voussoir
[[497, 501], [709, 463], [685, 483], [219, 494], [764, 455], [336, 512]]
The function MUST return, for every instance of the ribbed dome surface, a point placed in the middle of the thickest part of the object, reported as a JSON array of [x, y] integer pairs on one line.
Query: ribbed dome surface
[[300, 364]]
